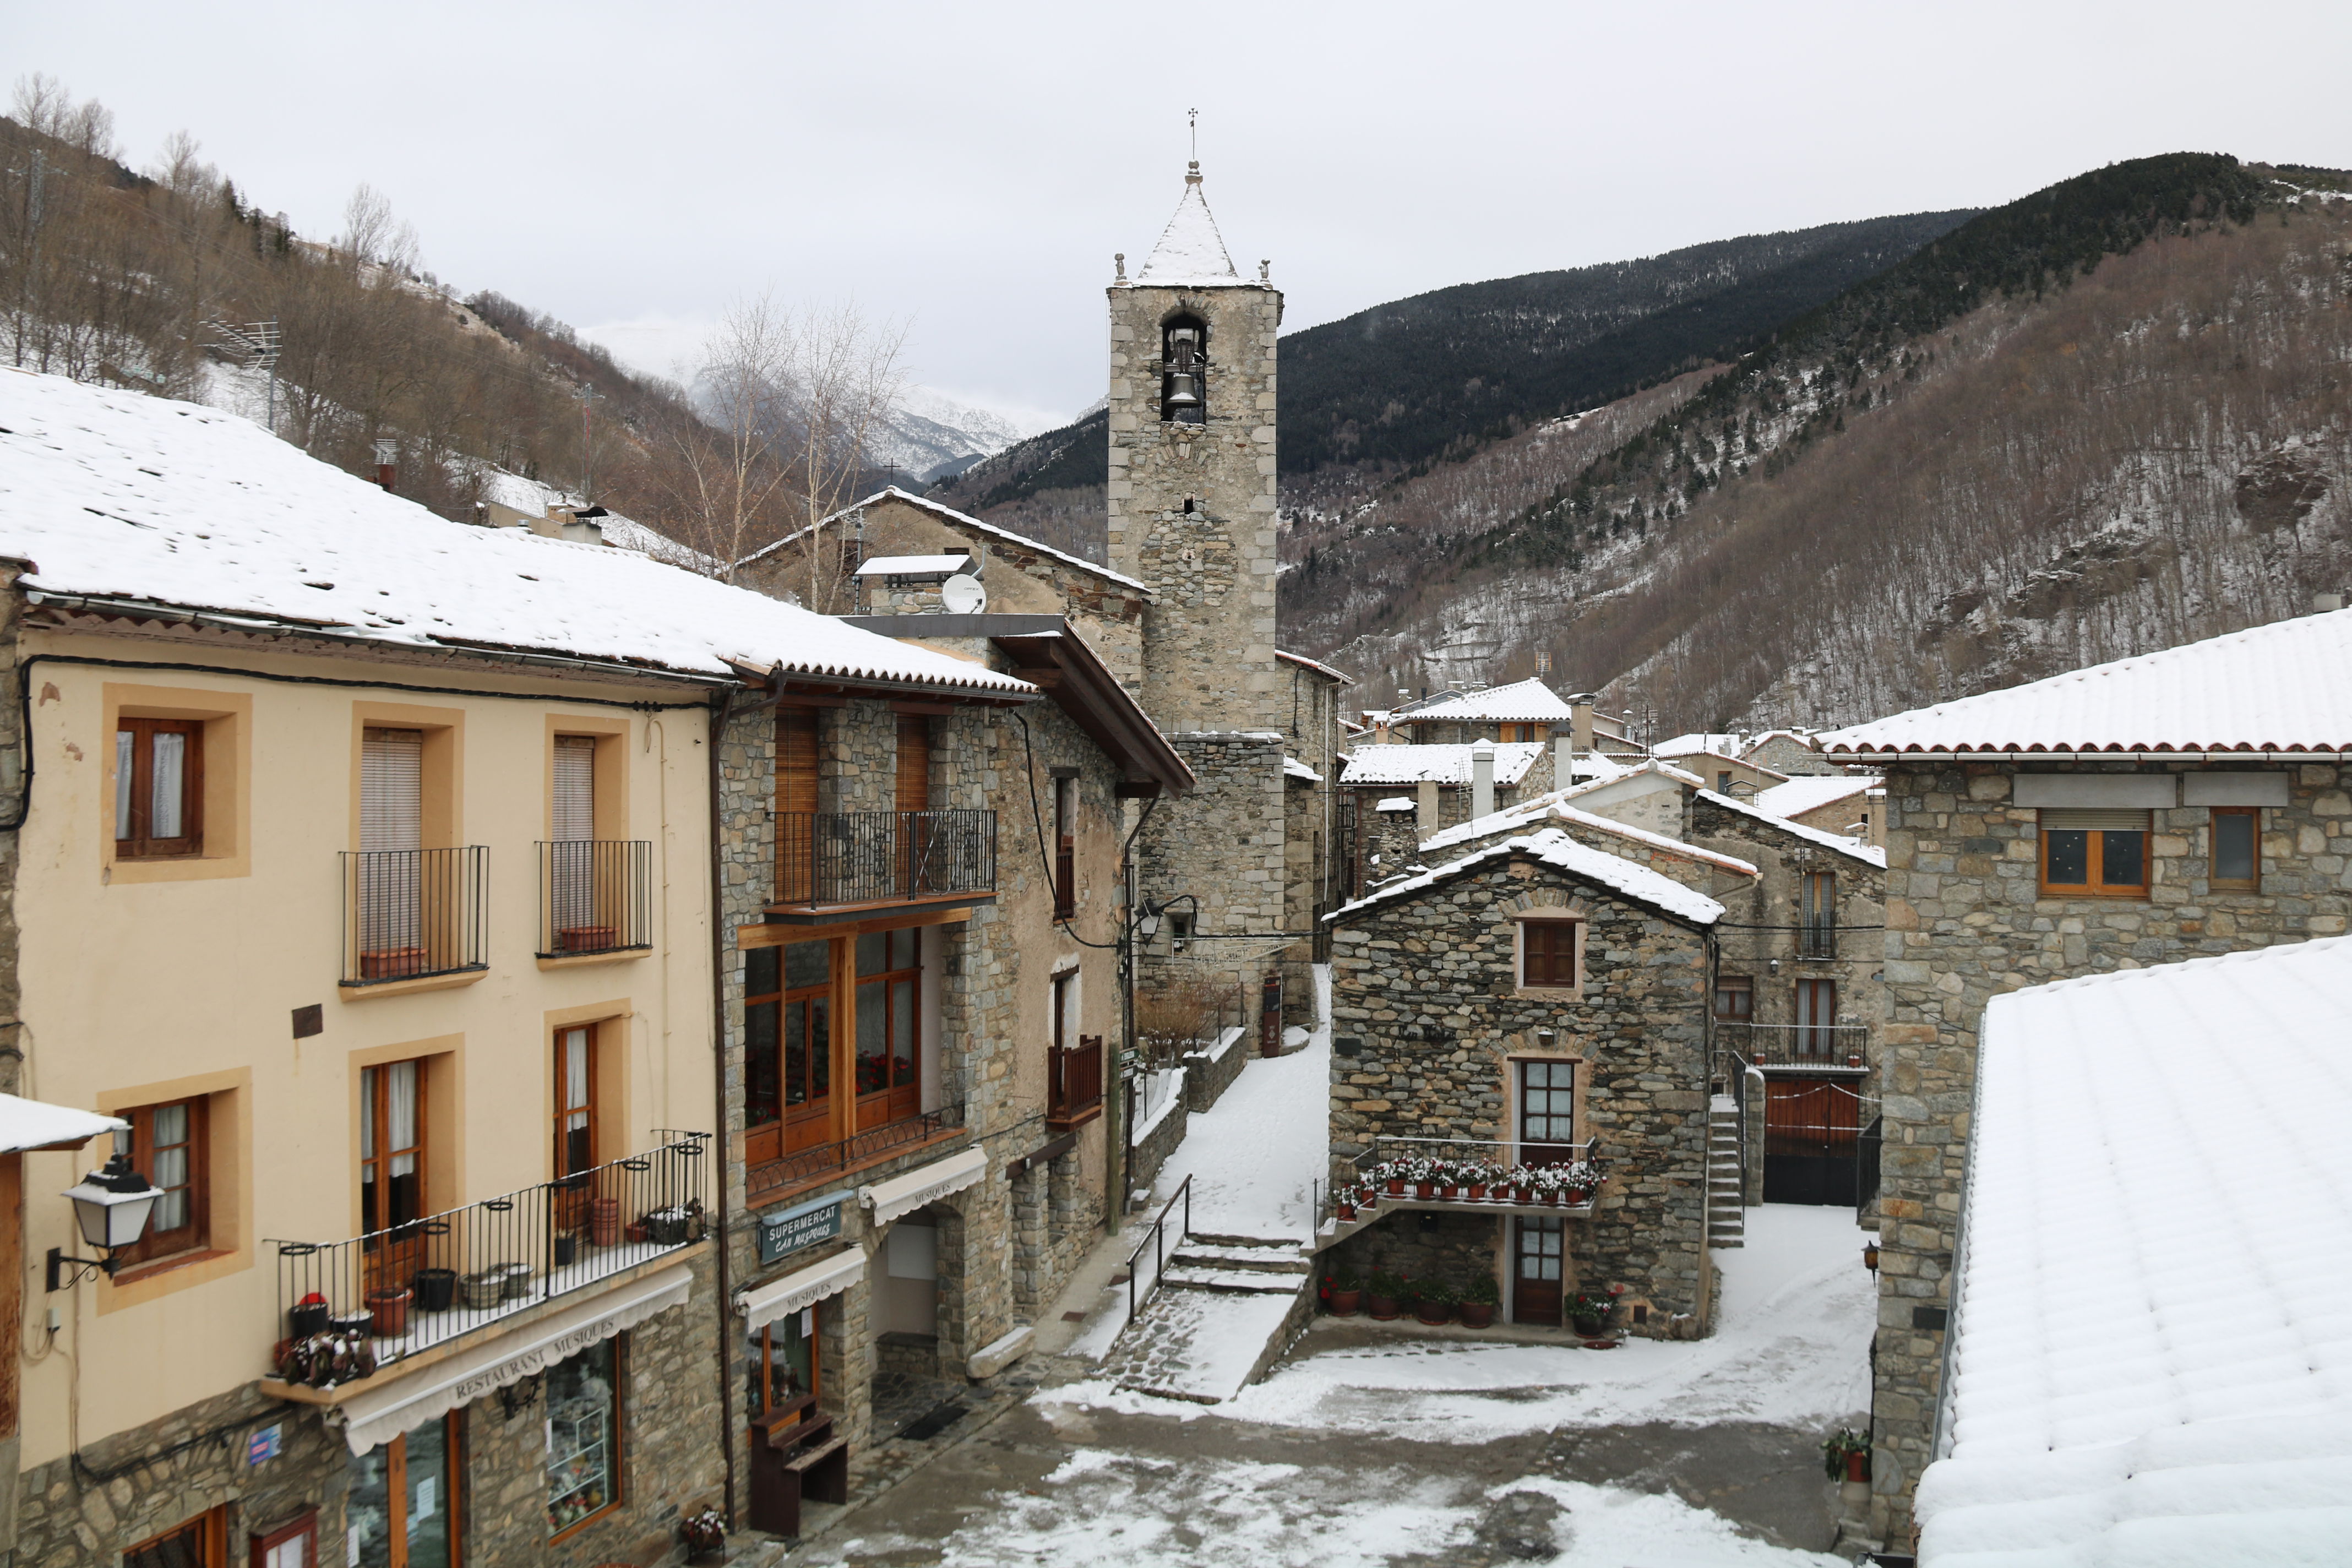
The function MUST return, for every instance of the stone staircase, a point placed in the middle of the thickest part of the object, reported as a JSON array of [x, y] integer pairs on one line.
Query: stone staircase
[[1726, 1214], [1237, 1264], [1225, 1308]]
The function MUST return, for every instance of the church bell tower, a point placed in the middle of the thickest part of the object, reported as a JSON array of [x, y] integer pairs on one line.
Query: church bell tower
[[1192, 473]]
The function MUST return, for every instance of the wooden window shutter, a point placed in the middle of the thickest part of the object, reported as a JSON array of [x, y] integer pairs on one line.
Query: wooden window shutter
[[392, 789], [795, 760], [575, 788], [913, 762]]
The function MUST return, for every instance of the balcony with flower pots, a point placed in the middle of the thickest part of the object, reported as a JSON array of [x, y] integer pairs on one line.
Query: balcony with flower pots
[[1454, 1176]]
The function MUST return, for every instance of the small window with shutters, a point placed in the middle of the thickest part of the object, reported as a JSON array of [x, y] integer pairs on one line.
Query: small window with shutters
[[2237, 849], [1550, 954], [796, 798], [1065, 848], [575, 788], [391, 835], [159, 788], [572, 857], [2095, 852]]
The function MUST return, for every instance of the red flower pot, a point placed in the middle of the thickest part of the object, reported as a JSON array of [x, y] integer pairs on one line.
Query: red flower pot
[[1347, 1211], [1857, 1466], [605, 1221], [1345, 1303], [1476, 1191], [1425, 1189], [1382, 1309], [1396, 1186], [388, 1310]]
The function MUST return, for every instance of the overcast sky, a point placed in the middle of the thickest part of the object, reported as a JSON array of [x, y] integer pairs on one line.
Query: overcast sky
[[970, 169]]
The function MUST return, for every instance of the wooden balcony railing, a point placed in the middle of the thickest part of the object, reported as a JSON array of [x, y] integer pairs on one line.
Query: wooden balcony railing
[[1074, 1083], [855, 859]]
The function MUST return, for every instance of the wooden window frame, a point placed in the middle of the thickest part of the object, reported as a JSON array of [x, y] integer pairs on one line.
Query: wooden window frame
[[2221, 884], [1514, 1091], [422, 1148], [620, 1343], [767, 1362], [888, 980], [140, 845], [213, 1526], [1741, 985], [1065, 848], [591, 1107], [1519, 924], [302, 1526], [2095, 864], [146, 1256], [453, 1446], [814, 1112]]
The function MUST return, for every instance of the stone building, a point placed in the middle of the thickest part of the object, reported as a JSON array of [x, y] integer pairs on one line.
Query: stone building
[[1535, 1003], [2185, 803], [923, 899], [1851, 805]]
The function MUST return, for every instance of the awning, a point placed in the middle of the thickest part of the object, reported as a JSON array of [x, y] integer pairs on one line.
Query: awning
[[36, 1125], [905, 1195], [801, 1287], [377, 1415]]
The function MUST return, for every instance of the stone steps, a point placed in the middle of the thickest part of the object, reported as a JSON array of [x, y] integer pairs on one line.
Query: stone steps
[[1275, 1258], [1727, 1212], [1237, 1282]]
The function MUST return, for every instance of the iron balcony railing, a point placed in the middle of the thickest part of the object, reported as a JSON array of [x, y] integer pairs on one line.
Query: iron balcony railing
[[1839, 1047], [408, 913], [1817, 937], [594, 896], [854, 1152], [346, 1308], [1074, 1082], [837, 858]]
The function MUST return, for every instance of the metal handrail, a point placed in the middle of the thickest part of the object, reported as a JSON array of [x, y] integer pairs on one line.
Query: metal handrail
[[594, 896], [1152, 1244]]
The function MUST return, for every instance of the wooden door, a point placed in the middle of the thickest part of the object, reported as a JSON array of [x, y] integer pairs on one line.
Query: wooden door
[[796, 798], [1811, 1132], [1538, 1261], [1816, 1005], [393, 1174], [912, 801], [888, 1026]]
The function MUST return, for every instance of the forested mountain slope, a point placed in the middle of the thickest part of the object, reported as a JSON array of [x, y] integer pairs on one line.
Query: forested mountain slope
[[2109, 417]]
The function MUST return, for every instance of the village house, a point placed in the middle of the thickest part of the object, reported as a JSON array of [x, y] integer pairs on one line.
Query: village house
[[1535, 1013], [410, 823], [2158, 808], [1853, 805], [1716, 759], [925, 905]]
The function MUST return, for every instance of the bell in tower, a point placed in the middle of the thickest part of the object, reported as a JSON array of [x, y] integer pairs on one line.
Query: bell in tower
[[1184, 357]]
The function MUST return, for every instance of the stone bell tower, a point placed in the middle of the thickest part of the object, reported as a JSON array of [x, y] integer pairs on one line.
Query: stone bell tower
[[1193, 474]]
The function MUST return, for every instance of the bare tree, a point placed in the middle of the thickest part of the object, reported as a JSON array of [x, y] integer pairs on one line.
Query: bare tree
[[847, 378]]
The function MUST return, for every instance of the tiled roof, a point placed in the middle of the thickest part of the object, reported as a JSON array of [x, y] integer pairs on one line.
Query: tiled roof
[[2116, 1397], [1435, 764], [2278, 688], [1556, 849], [1521, 702], [1318, 666]]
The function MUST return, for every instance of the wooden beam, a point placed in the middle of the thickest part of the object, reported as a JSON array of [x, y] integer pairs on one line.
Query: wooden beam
[[779, 935]]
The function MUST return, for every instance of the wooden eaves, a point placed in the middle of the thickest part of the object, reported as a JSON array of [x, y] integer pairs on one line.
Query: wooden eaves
[[1082, 685]]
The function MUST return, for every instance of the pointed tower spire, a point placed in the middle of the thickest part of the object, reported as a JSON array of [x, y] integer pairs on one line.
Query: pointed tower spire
[[1190, 250]]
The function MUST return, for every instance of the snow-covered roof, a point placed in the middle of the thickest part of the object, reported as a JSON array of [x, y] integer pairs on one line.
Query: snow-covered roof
[[2278, 688], [116, 495], [1870, 855], [527, 496], [626, 533], [2117, 1396], [36, 1125], [962, 519], [1317, 666], [1521, 702], [1813, 792], [1397, 803], [1556, 849], [1725, 742], [1707, 758], [913, 565], [1293, 768], [1435, 764], [1553, 807], [1190, 252]]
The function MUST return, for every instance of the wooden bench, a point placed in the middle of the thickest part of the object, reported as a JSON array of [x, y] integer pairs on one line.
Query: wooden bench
[[794, 1460]]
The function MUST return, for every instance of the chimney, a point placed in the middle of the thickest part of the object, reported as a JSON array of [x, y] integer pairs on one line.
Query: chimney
[[1580, 722], [387, 453], [1425, 809], [1482, 778], [1563, 761]]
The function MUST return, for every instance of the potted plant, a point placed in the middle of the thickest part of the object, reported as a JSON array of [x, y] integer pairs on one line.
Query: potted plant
[[1577, 1183], [1479, 1300], [1343, 1204], [388, 1310], [1476, 1178], [1845, 1458], [1344, 1292], [1367, 1198], [1434, 1301], [1588, 1311], [1423, 1176], [1381, 1296], [308, 1316], [705, 1532]]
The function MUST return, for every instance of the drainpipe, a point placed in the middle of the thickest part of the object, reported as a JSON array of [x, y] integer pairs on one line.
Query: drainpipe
[[1115, 1071], [721, 710], [1482, 779]]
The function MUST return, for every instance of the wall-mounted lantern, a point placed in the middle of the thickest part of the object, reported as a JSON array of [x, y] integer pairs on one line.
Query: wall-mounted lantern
[[111, 1205]]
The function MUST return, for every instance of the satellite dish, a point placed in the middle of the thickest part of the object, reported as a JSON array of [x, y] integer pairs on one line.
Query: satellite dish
[[962, 595]]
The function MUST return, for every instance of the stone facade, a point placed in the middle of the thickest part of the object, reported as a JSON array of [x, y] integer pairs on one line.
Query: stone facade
[[1428, 1022], [1965, 920], [1225, 844]]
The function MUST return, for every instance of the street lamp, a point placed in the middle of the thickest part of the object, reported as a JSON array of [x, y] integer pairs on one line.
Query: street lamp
[[111, 1207]]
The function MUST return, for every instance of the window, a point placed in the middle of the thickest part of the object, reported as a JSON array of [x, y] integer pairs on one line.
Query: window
[[1547, 1112], [159, 789], [1510, 733], [583, 1437], [572, 864], [1065, 848], [575, 1100], [168, 1146], [1734, 999], [787, 1047], [202, 1542], [392, 1145], [392, 834], [292, 1545], [1548, 952], [2095, 852], [889, 1031], [1817, 915], [1817, 1018], [783, 1364], [1723, 781], [2237, 848], [1066, 1021], [402, 1509]]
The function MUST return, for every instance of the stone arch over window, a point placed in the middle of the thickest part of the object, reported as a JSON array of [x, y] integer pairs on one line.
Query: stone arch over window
[[1184, 370]]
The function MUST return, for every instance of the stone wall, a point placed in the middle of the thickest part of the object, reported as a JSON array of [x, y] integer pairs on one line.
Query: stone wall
[[1207, 1076], [1965, 921], [1425, 987], [1146, 1157], [1430, 1245]]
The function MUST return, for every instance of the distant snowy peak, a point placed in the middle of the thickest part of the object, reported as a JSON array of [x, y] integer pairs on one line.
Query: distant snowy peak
[[932, 437]]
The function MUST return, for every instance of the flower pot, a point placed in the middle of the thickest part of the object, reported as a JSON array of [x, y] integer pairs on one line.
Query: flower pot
[[392, 963], [1857, 1466], [1396, 1187], [352, 1325], [567, 1248], [635, 1233], [1577, 1196], [1475, 1191], [1524, 1193], [1477, 1314], [666, 1228], [388, 1308], [308, 1316], [435, 1288], [1434, 1312], [481, 1292], [515, 1281], [584, 939], [1345, 1211], [605, 1221], [1425, 1189], [1369, 1199], [1346, 1303], [1383, 1307], [1586, 1328]]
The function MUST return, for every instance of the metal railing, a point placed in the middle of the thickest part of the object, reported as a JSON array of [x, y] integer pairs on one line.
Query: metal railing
[[594, 896], [833, 858], [1074, 1082], [379, 1298], [1828, 1047], [867, 1148], [1866, 1163], [1155, 1243], [408, 913], [1817, 937], [1503, 1160]]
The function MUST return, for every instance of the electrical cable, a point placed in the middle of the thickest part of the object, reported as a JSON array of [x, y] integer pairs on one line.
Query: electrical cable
[[1038, 817]]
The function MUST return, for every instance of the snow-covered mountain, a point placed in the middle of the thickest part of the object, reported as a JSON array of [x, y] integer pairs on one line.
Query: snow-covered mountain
[[931, 436]]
